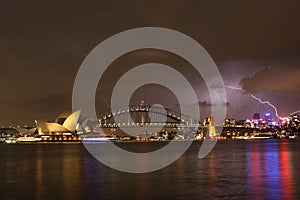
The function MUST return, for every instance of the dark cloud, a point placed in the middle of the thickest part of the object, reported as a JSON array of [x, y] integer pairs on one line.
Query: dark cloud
[[278, 78]]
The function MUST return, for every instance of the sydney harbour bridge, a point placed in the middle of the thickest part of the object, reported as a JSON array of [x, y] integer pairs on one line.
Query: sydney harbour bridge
[[147, 118], [144, 116]]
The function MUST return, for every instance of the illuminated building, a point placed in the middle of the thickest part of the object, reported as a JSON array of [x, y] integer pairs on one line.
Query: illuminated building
[[256, 116], [229, 122], [64, 123], [268, 117], [269, 121], [284, 121], [295, 122]]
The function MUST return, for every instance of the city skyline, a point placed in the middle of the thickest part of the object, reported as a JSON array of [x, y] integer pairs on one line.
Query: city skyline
[[254, 44]]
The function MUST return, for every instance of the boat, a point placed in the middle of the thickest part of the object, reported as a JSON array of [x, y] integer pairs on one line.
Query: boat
[[28, 139], [292, 136], [242, 137], [10, 140], [98, 139], [266, 135]]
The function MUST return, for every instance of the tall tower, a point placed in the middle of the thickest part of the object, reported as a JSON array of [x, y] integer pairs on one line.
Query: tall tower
[[211, 128]]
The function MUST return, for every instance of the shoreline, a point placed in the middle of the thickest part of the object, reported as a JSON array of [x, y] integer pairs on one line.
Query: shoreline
[[137, 141]]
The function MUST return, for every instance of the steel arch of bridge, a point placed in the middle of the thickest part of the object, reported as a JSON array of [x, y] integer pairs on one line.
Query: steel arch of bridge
[[174, 119]]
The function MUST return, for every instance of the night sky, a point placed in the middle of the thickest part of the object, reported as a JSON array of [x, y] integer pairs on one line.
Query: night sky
[[255, 44]]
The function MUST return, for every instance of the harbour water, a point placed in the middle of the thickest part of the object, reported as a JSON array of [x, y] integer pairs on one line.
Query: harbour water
[[235, 169]]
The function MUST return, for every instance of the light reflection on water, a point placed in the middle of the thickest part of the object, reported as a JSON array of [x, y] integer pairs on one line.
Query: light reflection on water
[[262, 169], [269, 164]]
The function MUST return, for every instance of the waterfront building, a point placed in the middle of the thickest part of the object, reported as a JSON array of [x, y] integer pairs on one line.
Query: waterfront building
[[65, 123], [229, 122]]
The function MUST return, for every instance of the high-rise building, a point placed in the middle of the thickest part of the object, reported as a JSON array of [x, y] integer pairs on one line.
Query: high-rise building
[[256, 116], [268, 117]]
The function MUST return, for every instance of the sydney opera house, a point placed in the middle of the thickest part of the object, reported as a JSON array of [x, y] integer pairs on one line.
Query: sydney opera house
[[65, 123]]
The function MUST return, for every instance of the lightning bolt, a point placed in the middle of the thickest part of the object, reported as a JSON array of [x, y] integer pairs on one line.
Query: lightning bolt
[[298, 111], [261, 101], [257, 99], [268, 103]]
